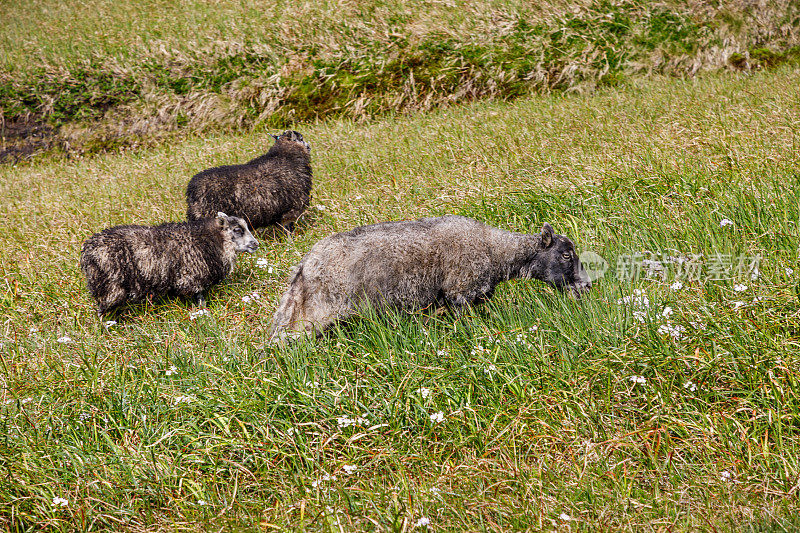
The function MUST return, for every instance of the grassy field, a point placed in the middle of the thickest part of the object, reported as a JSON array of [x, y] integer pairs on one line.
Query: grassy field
[[95, 76], [605, 414]]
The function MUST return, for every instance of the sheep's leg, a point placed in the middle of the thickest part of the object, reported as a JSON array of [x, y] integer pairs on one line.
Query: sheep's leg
[[290, 310], [289, 220], [437, 311], [303, 311], [288, 228], [110, 301], [200, 299], [460, 302], [295, 320]]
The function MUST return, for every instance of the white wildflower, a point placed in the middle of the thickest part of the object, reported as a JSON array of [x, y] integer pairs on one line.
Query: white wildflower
[[312, 384], [725, 475], [110, 323], [676, 332], [739, 287], [638, 379], [489, 369], [290, 431], [442, 353], [321, 207], [522, 340], [698, 324], [252, 297], [789, 271], [676, 286], [201, 503], [349, 469], [66, 339], [478, 350], [754, 274], [422, 522], [690, 386], [34, 330], [345, 422], [737, 304], [197, 314], [171, 371], [264, 263], [323, 479], [189, 398], [60, 502], [725, 222], [437, 418], [565, 517], [640, 316], [666, 312], [424, 392], [435, 491]]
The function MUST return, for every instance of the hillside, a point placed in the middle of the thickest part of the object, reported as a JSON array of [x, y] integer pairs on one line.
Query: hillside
[[603, 414], [84, 78]]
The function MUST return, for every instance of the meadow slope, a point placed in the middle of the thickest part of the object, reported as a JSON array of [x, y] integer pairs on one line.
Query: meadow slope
[[606, 414], [94, 76]]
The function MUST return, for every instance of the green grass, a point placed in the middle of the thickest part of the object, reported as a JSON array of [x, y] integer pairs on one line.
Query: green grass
[[107, 75], [540, 415]]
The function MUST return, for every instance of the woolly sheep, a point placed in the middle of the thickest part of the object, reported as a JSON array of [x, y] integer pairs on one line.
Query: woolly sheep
[[272, 189], [451, 260], [129, 263]]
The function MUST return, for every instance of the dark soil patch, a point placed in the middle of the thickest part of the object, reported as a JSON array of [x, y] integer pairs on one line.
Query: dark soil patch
[[23, 136]]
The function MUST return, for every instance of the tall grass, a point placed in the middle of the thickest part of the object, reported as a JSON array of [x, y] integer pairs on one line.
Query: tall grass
[[107, 75], [555, 414]]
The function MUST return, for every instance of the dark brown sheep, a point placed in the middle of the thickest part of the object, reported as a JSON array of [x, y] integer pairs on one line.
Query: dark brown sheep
[[272, 189], [129, 263]]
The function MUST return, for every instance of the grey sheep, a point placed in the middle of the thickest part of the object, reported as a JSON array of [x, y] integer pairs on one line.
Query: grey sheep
[[272, 189], [126, 264], [451, 260]]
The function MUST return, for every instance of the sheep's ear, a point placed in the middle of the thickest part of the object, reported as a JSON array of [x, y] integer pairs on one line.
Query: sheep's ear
[[222, 219], [547, 235]]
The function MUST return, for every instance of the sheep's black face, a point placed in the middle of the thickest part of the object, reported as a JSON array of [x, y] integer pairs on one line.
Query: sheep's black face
[[559, 265], [235, 229], [293, 136]]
